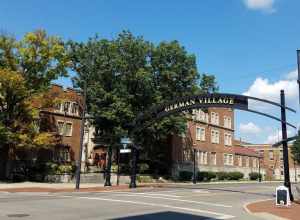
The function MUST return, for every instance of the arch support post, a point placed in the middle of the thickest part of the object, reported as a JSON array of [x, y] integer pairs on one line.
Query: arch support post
[[287, 181], [133, 167], [108, 168]]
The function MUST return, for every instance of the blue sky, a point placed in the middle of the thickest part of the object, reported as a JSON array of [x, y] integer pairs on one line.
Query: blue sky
[[250, 45]]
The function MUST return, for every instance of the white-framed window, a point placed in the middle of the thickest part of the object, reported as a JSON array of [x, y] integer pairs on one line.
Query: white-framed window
[[215, 136], [67, 107], [227, 122], [247, 161], [254, 162], [227, 139], [214, 118], [281, 155], [202, 156], [200, 134], [213, 158], [74, 108], [200, 115], [65, 128], [240, 161], [271, 155], [60, 127], [228, 159]]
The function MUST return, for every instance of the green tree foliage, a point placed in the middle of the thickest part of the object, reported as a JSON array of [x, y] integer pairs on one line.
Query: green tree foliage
[[38, 57], [27, 68], [126, 76], [296, 149]]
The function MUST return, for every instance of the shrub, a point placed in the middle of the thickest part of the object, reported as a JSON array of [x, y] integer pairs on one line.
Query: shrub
[[68, 169], [144, 179], [143, 168], [222, 175], [235, 175], [206, 175], [254, 176], [185, 175]]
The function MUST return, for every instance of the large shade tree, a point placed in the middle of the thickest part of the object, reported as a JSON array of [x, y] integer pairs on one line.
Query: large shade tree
[[126, 76], [27, 68]]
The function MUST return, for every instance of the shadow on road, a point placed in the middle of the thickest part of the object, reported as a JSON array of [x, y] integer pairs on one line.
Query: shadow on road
[[166, 216]]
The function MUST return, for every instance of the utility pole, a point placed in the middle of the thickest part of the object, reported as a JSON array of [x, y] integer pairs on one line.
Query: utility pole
[[287, 182], [78, 165]]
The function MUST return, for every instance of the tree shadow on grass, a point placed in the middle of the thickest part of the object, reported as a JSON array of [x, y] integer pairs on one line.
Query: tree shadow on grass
[[166, 216]]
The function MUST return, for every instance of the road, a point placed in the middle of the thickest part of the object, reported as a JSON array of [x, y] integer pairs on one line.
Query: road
[[210, 201]]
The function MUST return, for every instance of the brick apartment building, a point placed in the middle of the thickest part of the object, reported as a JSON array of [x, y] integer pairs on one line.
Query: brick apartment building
[[63, 119], [273, 162], [211, 133]]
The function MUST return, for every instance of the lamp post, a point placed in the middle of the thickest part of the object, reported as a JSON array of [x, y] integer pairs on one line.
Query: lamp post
[[78, 162], [134, 167], [108, 167]]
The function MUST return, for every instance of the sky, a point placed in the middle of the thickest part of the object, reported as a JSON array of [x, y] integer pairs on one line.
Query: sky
[[249, 45]]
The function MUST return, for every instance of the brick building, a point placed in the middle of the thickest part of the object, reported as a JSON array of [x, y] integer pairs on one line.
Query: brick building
[[63, 119], [272, 161], [211, 133]]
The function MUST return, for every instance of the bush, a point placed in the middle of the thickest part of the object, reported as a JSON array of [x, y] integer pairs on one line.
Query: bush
[[222, 175], [206, 175], [254, 176], [65, 169], [185, 175], [143, 168], [235, 175], [144, 179]]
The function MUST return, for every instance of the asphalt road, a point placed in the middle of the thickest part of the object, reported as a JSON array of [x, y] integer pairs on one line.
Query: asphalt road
[[218, 201]]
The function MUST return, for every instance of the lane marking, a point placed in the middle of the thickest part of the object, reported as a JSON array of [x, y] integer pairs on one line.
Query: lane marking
[[218, 214], [178, 200], [158, 194]]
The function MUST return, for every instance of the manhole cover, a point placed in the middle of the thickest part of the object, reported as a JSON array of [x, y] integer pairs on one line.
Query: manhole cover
[[17, 215]]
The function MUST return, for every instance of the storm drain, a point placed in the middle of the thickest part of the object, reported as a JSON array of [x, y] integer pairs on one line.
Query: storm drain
[[17, 215]]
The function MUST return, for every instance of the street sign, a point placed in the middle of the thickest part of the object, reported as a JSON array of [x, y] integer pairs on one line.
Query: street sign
[[126, 140], [282, 196], [125, 151]]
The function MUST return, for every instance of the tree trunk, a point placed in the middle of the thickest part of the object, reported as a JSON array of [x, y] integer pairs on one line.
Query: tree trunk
[[3, 161]]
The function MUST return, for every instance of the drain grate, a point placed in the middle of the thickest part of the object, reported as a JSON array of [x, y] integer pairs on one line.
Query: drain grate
[[17, 215]]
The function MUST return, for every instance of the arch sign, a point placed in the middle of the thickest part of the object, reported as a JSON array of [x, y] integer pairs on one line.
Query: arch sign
[[221, 100]]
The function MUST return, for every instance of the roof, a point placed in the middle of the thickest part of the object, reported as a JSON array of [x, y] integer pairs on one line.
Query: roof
[[245, 151]]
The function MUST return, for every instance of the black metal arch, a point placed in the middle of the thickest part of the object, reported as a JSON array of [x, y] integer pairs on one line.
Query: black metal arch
[[224, 100]]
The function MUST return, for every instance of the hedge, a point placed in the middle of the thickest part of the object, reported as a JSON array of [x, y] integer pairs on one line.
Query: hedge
[[206, 176], [254, 176], [185, 175]]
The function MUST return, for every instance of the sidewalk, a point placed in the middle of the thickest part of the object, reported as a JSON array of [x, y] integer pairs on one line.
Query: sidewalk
[[269, 207]]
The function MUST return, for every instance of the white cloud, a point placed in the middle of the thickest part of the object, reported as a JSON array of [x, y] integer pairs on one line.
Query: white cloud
[[264, 5], [249, 128], [276, 137], [263, 88], [293, 75]]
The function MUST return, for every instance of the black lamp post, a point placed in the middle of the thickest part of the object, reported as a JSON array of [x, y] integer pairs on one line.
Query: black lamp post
[[108, 167]]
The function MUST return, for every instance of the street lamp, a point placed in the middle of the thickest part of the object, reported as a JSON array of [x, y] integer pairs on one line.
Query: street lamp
[[194, 166]]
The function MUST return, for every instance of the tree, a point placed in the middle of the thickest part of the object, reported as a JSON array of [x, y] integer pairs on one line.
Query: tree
[[128, 75], [27, 68], [296, 149], [18, 118], [39, 58]]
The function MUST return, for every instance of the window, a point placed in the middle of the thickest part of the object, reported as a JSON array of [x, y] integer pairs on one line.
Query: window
[[67, 106], [213, 158], [64, 154], [228, 139], [202, 157], [200, 115], [200, 134], [227, 122], [60, 127], [215, 136], [74, 109], [64, 128], [271, 155], [228, 159], [214, 118], [240, 161], [247, 162], [68, 130], [281, 155]]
